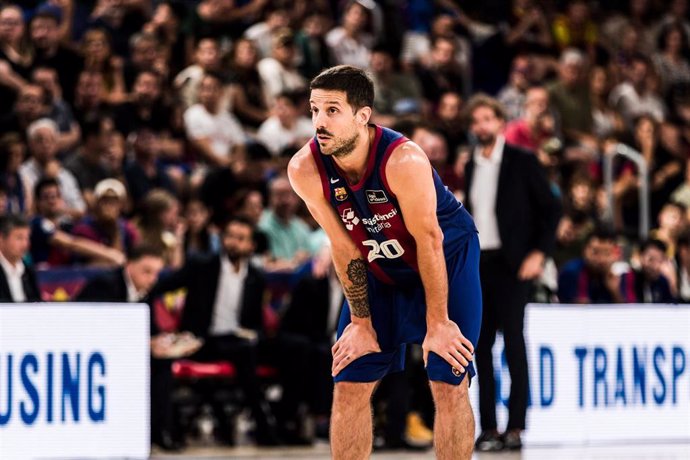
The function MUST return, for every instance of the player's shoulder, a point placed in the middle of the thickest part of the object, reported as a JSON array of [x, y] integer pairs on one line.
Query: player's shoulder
[[406, 154], [302, 170]]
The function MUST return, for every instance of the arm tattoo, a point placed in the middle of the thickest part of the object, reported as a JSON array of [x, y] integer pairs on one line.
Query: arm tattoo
[[357, 293]]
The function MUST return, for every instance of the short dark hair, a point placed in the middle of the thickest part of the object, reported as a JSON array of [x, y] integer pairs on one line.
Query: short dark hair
[[653, 243], [603, 234], [484, 100], [43, 184], [358, 87], [239, 220], [140, 251], [9, 222]]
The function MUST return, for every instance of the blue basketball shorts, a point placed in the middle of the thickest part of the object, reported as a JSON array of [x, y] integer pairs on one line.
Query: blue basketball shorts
[[398, 314]]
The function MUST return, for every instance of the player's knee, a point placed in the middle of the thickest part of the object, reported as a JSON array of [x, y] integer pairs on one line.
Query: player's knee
[[447, 395], [352, 395]]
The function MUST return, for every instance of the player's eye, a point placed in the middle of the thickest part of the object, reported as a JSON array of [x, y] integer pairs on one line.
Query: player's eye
[[332, 110], [314, 110]]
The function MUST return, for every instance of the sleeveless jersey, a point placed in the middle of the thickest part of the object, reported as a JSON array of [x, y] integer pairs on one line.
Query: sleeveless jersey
[[370, 212]]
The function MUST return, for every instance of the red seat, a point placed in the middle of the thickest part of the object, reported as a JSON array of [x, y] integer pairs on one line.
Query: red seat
[[185, 368]]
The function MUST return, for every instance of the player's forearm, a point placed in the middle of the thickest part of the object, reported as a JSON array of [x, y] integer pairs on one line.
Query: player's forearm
[[432, 270], [352, 272]]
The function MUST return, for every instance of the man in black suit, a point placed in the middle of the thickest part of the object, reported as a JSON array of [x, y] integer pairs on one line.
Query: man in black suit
[[225, 295], [516, 214], [17, 281], [132, 283]]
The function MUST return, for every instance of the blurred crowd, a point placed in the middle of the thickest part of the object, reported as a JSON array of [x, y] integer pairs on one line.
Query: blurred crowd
[[130, 124]]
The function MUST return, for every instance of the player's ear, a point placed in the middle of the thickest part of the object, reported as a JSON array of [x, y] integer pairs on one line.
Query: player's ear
[[364, 115]]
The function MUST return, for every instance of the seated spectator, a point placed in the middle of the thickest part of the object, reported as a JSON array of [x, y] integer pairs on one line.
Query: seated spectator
[[52, 242], [351, 43], [288, 235], [576, 29], [224, 302], [199, 237], [247, 94], [145, 172], [442, 72], [580, 218], [19, 198], [430, 139], [87, 164], [16, 54], [512, 95], [43, 145], [32, 104], [89, 97], [262, 33], [535, 130], [396, 93], [287, 127], [17, 280], [213, 132], [672, 224], [448, 119], [206, 59], [50, 51], [133, 283], [651, 286], [144, 55], [106, 224], [637, 95], [59, 111], [606, 122], [159, 226], [671, 58], [98, 57], [596, 277], [166, 23], [569, 96], [279, 72], [311, 44]]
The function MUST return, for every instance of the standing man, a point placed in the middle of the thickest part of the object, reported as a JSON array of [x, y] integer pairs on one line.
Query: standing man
[[406, 253], [516, 214]]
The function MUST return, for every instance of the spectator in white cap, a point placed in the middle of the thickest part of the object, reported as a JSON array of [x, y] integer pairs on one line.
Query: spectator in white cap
[[43, 146], [106, 224]]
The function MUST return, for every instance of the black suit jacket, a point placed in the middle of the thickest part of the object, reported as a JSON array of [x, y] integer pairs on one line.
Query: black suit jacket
[[110, 286], [200, 276], [307, 313], [31, 290], [527, 210]]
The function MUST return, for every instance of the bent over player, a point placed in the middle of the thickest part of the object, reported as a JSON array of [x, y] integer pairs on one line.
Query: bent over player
[[407, 255]]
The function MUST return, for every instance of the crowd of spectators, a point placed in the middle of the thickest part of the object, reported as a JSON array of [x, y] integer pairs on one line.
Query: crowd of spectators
[[130, 123]]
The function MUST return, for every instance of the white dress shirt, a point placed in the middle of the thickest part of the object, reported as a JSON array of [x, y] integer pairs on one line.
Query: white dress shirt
[[14, 274], [483, 194], [226, 309]]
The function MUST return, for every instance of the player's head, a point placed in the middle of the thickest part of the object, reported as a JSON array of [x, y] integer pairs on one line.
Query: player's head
[[341, 100], [486, 118]]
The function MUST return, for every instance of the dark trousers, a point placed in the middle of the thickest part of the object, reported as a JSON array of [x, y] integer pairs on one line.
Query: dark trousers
[[504, 299]]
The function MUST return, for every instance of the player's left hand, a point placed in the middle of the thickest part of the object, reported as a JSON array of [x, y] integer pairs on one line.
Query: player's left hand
[[532, 267], [446, 340], [358, 339]]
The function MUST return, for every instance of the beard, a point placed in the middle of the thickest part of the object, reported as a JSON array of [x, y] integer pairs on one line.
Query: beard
[[342, 147], [486, 139]]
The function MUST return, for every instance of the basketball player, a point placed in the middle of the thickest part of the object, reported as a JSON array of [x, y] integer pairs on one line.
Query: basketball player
[[407, 255]]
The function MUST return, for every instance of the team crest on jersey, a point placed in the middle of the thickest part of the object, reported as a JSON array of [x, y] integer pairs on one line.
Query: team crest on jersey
[[349, 218], [376, 196], [340, 193]]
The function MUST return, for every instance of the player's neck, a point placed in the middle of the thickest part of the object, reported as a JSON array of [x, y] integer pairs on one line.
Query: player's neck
[[354, 165]]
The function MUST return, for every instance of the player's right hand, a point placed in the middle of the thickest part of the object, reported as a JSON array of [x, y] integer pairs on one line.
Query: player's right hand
[[358, 339], [446, 340]]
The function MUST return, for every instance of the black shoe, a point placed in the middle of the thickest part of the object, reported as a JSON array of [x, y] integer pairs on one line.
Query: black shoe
[[511, 440], [167, 442], [489, 441]]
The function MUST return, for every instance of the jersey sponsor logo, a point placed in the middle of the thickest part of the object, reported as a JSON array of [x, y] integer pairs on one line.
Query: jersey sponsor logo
[[379, 221], [376, 196], [349, 218], [340, 193]]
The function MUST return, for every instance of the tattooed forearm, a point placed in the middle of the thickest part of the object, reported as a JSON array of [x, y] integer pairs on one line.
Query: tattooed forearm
[[357, 292]]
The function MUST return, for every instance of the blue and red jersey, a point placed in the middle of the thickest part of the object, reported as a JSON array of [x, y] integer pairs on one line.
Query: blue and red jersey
[[371, 214]]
